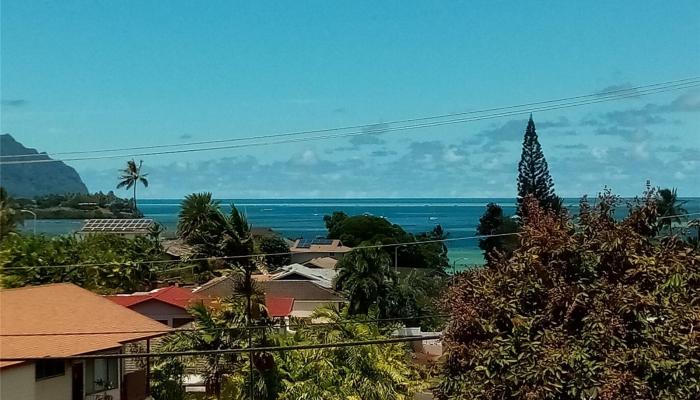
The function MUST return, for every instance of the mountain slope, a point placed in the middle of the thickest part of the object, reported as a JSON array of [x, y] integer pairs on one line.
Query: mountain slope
[[29, 180]]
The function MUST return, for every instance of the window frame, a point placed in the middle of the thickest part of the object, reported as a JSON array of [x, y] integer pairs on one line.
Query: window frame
[[90, 384], [37, 364]]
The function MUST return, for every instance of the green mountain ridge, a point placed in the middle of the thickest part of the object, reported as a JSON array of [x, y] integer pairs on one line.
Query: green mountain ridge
[[35, 179]]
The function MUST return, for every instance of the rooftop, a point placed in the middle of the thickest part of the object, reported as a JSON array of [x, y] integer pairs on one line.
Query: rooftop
[[177, 248], [137, 225], [300, 291], [319, 246], [31, 316], [322, 262], [173, 295], [298, 272], [279, 306]]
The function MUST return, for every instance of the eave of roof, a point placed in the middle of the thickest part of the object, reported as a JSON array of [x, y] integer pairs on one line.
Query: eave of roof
[[66, 320]]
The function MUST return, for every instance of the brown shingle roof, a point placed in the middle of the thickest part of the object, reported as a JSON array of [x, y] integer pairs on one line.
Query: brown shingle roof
[[177, 248], [299, 290], [65, 308], [322, 262], [336, 246]]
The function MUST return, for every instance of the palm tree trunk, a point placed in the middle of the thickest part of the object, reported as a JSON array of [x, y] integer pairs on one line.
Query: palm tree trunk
[[135, 208]]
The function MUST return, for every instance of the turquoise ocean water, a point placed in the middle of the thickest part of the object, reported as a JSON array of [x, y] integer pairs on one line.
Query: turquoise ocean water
[[296, 218]]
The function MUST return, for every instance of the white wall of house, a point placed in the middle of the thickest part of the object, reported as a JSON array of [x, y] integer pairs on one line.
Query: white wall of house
[[18, 382], [160, 311], [304, 308]]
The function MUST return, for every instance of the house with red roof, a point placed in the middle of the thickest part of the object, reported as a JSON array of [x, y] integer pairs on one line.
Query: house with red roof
[[166, 305], [279, 307]]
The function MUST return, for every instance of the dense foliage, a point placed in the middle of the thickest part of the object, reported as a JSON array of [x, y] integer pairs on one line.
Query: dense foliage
[[21, 258], [371, 372], [598, 309], [669, 208], [369, 281], [79, 200], [353, 230], [360, 372], [10, 215], [276, 248], [358, 229], [365, 276], [78, 206], [494, 222], [533, 173], [203, 225]]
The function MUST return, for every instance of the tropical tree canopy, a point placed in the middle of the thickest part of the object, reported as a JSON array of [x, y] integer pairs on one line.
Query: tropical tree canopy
[[277, 248], [598, 309], [222, 326], [202, 224], [494, 222], [358, 372], [365, 275], [131, 176], [357, 229], [376, 372], [10, 215], [198, 213], [669, 208], [125, 269]]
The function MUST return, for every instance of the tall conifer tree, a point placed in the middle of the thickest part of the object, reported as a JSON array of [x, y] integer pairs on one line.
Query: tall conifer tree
[[533, 173]]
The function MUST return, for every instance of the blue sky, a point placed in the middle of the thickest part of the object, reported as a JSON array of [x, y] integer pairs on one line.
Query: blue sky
[[82, 75]]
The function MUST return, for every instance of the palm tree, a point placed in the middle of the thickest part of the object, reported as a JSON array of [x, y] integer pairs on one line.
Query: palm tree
[[359, 372], [365, 275], [130, 176], [222, 327], [199, 213], [669, 208]]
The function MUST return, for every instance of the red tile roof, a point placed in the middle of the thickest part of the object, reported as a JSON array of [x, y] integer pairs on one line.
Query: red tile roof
[[279, 306], [173, 295]]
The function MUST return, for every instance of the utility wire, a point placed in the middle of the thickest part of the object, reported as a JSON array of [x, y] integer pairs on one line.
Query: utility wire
[[630, 90], [364, 132], [400, 339], [242, 328], [375, 246]]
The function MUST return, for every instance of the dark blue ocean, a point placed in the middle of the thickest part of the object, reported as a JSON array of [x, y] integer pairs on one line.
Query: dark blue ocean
[[297, 218]]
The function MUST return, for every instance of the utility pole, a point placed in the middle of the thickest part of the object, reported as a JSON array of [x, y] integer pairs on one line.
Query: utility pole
[[34, 214]]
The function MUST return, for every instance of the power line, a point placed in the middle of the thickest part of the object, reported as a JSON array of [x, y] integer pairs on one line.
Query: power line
[[374, 246], [324, 137], [400, 339], [361, 133], [257, 255], [242, 328], [630, 90]]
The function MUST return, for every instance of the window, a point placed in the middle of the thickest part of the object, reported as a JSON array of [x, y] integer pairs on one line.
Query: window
[[102, 374], [49, 368], [178, 322]]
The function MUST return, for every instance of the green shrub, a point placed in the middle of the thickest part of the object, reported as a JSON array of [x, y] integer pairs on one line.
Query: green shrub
[[595, 309]]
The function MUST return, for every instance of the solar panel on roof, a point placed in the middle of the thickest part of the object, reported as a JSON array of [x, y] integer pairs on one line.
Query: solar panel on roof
[[304, 244], [117, 225], [322, 241]]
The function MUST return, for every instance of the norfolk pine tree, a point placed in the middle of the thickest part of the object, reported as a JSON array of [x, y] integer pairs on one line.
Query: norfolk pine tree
[[533, 173]]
